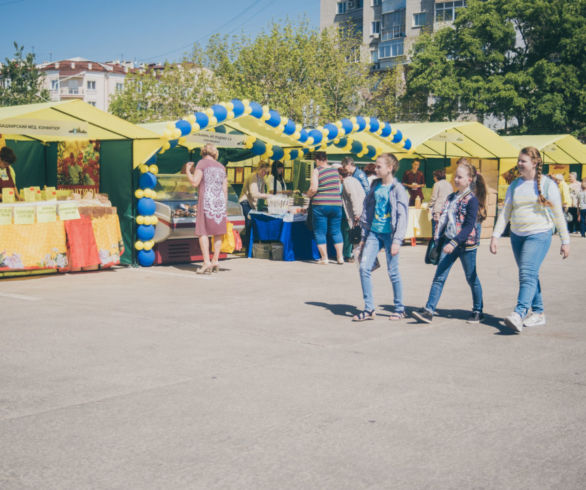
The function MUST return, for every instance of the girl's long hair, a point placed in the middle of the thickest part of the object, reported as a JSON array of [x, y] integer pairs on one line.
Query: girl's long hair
[[478, 186], [535, 156]]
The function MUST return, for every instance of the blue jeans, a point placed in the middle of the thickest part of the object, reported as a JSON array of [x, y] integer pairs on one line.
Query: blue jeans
[[446, 261], [583, 222], [374, 242], [327, 220], [529, 253]]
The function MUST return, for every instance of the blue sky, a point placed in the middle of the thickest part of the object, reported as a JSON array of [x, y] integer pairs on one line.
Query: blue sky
[[143, 30]]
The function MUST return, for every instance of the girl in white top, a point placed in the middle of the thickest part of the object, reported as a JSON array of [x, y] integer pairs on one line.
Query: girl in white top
[[534, 208]]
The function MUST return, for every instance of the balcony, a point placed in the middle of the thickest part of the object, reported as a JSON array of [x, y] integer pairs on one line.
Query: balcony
[[392, 5], [68, 92]]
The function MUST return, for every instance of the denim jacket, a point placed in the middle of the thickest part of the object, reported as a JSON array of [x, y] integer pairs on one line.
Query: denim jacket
[[399, 203]]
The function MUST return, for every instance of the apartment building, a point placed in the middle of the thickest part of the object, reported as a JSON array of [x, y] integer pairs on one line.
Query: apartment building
[[388, 27], [90, 81]]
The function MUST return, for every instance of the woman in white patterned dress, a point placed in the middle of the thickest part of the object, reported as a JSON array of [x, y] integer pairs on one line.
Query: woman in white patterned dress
[[210, 179]]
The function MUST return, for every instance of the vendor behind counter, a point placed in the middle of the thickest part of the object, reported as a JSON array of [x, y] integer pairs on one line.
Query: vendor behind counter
[[7, 174]]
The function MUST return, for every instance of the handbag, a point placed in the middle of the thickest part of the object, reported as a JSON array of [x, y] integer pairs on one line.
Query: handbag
[[434, 250], [355, 235]]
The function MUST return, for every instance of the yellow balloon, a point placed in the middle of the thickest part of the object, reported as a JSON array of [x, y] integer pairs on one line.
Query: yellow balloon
[[355, 127], [166, 146], [138, 245], [231, 115], [209, 112], [140, 220], [247, 110], [190, 119], [139, 193], [153, 169], [148, 245], [229, 106], [144, 169], [195, 127], [154, 220]]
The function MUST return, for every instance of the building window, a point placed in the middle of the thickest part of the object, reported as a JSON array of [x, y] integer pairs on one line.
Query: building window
[[342, 7], [419, 19], [54, 85], [374, 56], [391, 49], [393, 25], [375, 27], [91, 85], [119, 87], [92, 102], [375, 3], [447, 11]]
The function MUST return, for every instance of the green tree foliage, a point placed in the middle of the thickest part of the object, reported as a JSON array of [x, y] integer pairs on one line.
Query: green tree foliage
[[20, 80], [165, 94], [509, 58], [292, 67]]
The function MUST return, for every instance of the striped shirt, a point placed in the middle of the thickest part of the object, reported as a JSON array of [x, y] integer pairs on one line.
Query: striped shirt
[[328, 188], [527, 215]]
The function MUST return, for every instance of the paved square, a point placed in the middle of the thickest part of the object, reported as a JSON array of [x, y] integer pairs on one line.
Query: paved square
[[255, 378]]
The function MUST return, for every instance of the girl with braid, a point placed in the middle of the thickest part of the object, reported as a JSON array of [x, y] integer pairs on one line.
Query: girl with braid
[[533, 206], [459, 224]]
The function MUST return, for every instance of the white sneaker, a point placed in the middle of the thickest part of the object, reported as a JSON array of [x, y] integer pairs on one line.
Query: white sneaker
[[515, 322], [534, 320]]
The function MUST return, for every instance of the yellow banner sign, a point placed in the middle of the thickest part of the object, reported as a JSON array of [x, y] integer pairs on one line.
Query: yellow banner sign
[[37, 127]]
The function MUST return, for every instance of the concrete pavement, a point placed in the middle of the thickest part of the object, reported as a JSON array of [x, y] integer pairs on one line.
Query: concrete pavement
[[255, 378]]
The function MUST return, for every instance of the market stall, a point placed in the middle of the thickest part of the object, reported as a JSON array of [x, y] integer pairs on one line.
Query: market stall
[[79, 151]]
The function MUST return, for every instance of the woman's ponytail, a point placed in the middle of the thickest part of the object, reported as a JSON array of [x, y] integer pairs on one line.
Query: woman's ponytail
[[478, 186], [535, 156]]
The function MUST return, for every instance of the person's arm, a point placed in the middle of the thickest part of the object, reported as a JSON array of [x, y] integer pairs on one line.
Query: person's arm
[[255, 191], [402, 219], [194, 178], [434, 196], [312, 191], [554, 196], [502, 220]]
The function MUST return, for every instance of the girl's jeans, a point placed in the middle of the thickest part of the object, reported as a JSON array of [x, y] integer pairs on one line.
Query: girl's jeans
[[446, 261], [372, 245], [529, 253], [327, 220]]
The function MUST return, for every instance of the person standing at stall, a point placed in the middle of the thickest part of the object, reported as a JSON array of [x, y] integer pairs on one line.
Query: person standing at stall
[[440, 192], [575, 188], [352, 201], [7, 174], [414, 181], [276, 182], [210, 180], [254, 188], [533, 205], [355, 172], [326, 206]]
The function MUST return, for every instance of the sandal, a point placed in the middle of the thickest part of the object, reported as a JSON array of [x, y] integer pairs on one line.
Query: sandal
[[322, 262], [363, 316], [397, 315]]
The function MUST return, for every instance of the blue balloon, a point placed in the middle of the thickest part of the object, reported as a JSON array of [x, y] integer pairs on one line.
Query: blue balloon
[[146, 258], [371, 151], [356, 147], [256, 110], [202, 119], [147, 181], [278, 153], [386, 130], [305, 151], [258, 147], [220, 112], [303, 135], [332, 130], [374, 125], [317, 136], [275, 119], [342, 143], [220, 129], [183, 126], [173, 143], [407, 144], [398, 137], [294, 154], [361, 123], [238, 107], [146, 206], [289, 128], [347, 125], [145, 232]]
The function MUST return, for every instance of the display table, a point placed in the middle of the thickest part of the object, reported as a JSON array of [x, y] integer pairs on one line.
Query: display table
[[52, 242], [418, 224], [289, 229]]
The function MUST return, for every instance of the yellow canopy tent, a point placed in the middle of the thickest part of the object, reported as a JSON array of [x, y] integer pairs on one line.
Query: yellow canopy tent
[[561, 149], [34, 131]]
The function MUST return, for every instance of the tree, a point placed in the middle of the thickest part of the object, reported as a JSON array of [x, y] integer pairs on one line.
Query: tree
[[20, 80], [165, 94], [521, 59]]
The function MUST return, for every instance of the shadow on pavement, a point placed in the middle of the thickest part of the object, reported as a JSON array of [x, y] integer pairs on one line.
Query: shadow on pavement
[[336, 309]]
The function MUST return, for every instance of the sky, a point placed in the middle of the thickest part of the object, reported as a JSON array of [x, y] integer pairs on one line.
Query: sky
[[143, 31]]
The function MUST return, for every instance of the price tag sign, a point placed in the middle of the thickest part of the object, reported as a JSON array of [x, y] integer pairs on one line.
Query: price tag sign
[[47, 213], [8, 194], [5, 215], [68, 210], [24, 215]]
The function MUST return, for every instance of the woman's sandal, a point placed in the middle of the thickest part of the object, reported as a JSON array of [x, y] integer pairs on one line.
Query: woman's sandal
[[397, 316], [363, 316], [206, 269], [215, 267], [323, 262]]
